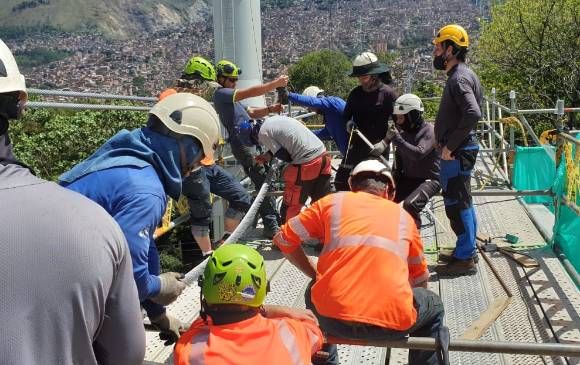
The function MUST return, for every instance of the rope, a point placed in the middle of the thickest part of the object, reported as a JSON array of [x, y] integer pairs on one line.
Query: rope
[[511, 121], [247, 222]]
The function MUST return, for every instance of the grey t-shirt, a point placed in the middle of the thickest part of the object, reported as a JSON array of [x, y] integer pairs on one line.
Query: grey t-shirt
[[231, 112], [67, 291], [288, 133]]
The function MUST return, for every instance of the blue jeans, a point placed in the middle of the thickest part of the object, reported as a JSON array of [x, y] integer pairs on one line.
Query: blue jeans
[[455, 178], [430, 315]]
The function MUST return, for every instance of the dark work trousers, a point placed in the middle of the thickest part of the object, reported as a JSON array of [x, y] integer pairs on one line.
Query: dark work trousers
[[455, 178], [415, 193], [358, 151], [257, 173], [310, 179], [430, 315], [197, 188]]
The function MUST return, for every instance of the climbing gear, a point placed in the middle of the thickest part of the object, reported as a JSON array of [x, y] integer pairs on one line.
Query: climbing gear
[[312, 91], [235, 274], [171, 288], [454, 33], [199, 67], [407, 102], [10, 77], [191, 115], [367, 63], [227, 69]]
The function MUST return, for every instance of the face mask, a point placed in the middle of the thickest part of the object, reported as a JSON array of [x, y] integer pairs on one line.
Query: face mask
[[440, 61], [10, 107]]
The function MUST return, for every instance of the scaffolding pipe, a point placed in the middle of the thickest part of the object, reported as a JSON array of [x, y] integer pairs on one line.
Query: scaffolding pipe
[[76, 94], [498, 347], [73, 106], [568, 138], [547, 111], [514, 193]]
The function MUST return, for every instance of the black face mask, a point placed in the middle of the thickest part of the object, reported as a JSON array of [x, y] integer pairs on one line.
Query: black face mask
[[10, 106], [440, 61]]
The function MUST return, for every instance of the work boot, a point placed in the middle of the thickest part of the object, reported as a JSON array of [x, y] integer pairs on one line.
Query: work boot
[[457, 267], [447, 256]]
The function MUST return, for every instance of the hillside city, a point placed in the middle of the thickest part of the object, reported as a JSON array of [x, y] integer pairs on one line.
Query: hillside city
[[148, 63]]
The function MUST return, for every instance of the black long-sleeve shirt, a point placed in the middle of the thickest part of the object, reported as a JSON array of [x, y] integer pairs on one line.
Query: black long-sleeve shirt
[[370, 111], [416, 155], [460, 109]]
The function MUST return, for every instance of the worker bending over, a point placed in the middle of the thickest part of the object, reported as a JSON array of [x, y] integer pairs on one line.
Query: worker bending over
[[371, 277], [307, 174], [416, 168], [131, 175], [235, 327]]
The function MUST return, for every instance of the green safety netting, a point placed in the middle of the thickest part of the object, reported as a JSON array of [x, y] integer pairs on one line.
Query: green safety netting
[[567, 227], [534, 170]]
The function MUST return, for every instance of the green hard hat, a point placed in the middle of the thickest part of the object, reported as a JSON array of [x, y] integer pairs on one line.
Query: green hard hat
[[200, 67], [228, 69], [235, 274]]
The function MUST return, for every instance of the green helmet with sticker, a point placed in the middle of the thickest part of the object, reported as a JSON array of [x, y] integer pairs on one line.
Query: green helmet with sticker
[[235, 274], [225, 68], [199, 67]]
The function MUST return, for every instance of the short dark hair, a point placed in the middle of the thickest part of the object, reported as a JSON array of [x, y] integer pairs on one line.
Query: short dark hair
[[370, 182], [458, 52]]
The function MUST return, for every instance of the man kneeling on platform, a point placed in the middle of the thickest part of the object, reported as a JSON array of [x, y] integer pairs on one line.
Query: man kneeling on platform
[[235, 328], [371, 277]]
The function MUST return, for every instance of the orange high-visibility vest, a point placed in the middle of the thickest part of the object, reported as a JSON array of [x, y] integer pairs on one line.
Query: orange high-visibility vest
[[372, 254], [258, 340], [165, 93]]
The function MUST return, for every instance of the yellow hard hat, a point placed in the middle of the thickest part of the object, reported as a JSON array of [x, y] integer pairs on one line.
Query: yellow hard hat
[[454, 33]]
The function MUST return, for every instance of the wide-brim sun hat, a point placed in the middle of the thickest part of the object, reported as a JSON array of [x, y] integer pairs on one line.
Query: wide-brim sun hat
[[367, 63]]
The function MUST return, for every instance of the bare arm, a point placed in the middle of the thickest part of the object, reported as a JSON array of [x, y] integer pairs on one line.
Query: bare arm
[[257, 113], [299, 259], [261, 89]]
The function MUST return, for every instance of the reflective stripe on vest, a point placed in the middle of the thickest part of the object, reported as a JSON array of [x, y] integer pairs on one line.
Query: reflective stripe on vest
[[198, 346], [289, 342], [399, 248], [297, 227]]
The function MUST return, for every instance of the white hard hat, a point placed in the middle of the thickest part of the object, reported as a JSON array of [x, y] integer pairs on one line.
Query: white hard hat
[[374, 166], [407, 102], [312, 91], [191, 115], [10, 77], [367, 63]]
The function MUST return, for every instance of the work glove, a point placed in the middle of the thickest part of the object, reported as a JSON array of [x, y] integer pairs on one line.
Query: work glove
[[169, 327], [171, 287], [391, 133], [350, 125], [379, 148]]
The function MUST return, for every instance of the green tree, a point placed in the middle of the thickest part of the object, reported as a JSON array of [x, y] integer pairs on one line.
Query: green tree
[[326, 69], [532, 47], [428, 89]]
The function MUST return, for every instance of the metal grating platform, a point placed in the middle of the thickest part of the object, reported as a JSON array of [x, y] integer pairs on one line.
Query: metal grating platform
[[545, 306]]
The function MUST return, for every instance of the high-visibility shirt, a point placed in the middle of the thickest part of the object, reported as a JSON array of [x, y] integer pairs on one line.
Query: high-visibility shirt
[[165, 93], [257, 340], [372, 254]]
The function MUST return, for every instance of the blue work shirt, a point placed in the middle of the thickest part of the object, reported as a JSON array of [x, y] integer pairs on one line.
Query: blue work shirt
[[135, 198], [331, 108], [130, 176]]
